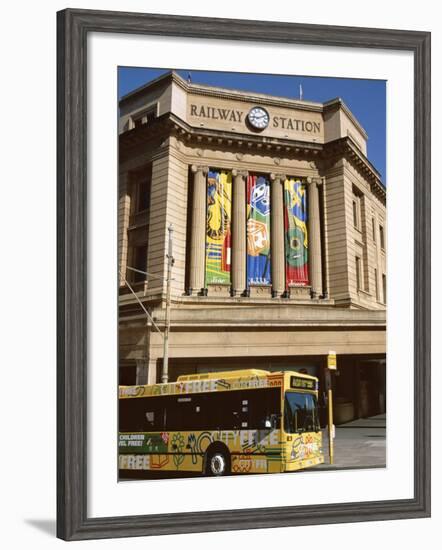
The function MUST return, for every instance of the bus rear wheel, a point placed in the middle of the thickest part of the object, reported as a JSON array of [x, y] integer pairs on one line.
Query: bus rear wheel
[[218, 463]]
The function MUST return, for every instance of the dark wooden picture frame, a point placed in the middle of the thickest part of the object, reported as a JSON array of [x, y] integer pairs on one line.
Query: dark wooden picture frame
[[73, 27]]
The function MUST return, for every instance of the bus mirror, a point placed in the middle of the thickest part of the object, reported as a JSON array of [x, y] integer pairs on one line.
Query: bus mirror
[[274, 419]]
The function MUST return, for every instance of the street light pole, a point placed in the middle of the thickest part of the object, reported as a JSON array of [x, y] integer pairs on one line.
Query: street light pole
[[170, 262]]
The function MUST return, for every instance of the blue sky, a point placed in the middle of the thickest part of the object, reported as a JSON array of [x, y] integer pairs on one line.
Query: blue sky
[[365, 98]]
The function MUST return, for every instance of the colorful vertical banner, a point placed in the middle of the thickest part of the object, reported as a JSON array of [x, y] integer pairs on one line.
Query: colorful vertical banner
[[258, 231], [296, 237], [218, 239]]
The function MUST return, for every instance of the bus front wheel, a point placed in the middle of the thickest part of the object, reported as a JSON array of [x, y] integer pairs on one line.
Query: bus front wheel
[[218, 462]]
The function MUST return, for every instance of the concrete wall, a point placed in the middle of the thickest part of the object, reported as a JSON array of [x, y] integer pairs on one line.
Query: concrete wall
[[360, 241], [335, 231], [168, 206], [225, 343]]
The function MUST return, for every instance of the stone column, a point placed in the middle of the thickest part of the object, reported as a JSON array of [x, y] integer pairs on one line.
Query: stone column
[[277, 234], [239, 233], [314, 228], [152, 371], [198, 230]]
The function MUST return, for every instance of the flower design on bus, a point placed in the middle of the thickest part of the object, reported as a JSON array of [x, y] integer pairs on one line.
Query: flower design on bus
[[177, 442], [178, 447]]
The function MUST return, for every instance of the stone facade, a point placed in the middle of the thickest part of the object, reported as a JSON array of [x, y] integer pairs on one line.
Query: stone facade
[[171, 133]]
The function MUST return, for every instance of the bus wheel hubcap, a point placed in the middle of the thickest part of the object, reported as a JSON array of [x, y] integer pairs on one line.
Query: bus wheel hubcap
[[218, 464]]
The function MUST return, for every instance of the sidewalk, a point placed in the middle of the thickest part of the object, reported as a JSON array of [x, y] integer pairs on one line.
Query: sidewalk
[[358, 444]]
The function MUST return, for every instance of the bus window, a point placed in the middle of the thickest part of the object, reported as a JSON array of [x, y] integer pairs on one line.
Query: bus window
[[264, 409], [141, 415], [150, 417], [224, 410], [243, 409], [300, 413], [184, 412]]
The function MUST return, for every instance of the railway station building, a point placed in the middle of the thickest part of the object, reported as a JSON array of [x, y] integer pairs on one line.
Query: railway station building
[[279, 239]]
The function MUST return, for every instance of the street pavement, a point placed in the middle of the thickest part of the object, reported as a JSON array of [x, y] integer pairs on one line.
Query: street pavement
[[357, 444]]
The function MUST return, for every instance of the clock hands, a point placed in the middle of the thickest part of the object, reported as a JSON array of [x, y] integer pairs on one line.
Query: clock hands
[[259, 117]]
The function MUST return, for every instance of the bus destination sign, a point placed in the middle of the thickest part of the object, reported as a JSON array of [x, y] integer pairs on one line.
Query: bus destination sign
[[302, 383]]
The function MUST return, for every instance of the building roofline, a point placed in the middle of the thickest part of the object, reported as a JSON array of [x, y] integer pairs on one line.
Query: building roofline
[[248, 96], [339, 102], [206, 89], [151, 84]]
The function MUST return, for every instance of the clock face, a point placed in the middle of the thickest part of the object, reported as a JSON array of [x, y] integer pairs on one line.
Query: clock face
[[258, 118]]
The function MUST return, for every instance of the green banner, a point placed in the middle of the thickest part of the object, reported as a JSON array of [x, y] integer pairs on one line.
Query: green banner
[[296, 236], [142, 443]]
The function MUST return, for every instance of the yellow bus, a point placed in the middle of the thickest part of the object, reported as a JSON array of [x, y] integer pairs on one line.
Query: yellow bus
[[246, 421]]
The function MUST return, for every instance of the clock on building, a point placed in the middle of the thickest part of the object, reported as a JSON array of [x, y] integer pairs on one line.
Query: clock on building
[[258, 118]]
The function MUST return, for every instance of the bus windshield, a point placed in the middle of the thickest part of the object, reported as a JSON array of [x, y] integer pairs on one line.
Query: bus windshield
[[300, 413]]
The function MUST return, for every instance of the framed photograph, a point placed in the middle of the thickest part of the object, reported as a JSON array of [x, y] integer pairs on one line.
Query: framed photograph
[[242, 342]]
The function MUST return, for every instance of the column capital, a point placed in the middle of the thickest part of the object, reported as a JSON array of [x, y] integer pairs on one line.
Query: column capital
[[242, 173], [280, 177], [314, 180], [197, 168]]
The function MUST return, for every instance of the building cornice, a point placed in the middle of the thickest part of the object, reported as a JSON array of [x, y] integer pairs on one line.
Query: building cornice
[[169, 123], [277, 316], [213, 136], [346, 147]]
